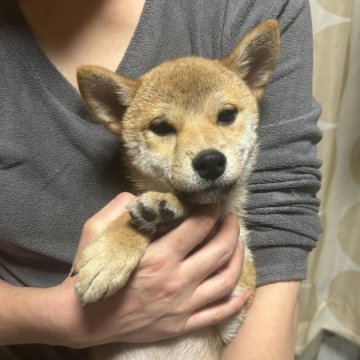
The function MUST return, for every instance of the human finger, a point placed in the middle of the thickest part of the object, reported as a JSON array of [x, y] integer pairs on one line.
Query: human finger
[[218, 312], [219, 285], [215, 253], [189, 234], [103, 218], [114, 208]]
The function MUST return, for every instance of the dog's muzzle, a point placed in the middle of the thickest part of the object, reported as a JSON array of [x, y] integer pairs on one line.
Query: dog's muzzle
[[209, 164]]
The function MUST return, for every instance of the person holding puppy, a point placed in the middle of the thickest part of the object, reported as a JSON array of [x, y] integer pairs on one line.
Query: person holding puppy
[[58, 169]]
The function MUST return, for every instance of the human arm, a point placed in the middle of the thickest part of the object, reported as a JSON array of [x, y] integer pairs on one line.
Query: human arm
[[270, 327], [164, 298]]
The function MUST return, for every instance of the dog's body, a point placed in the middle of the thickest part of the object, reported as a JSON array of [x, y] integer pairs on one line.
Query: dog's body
[[188, 129]]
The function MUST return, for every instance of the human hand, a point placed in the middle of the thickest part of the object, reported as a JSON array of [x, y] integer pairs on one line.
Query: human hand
[[174, 289]]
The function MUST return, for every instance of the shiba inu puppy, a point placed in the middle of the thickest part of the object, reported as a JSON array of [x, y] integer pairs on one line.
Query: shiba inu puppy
[[188, 128]]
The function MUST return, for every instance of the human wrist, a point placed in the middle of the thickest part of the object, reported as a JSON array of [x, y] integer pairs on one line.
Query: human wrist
[[74, 325], [68, 316], [28, 315]]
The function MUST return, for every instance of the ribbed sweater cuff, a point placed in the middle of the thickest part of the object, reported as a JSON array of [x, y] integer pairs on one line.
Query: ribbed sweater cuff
[[275, 264]]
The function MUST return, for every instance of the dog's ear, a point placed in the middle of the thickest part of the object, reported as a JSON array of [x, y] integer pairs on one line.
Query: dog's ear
[[106, 94], [256, 56]]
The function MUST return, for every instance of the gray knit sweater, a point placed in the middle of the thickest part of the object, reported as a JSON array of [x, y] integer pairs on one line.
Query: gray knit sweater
[[58, 167]]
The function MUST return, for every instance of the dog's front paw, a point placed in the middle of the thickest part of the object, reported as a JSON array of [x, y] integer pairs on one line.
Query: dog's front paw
[[155, 212], [103, 268], [98, 275]]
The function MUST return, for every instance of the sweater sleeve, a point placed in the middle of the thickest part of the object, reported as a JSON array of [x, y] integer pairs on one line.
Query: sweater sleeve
[[283, 209]]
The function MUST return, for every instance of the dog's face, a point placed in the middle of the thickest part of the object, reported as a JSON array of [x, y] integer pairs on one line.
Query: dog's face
[[189, 125], [191, 128]]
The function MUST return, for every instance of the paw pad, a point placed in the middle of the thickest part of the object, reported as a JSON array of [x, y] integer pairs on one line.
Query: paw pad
[[153, 212], [166, 213], [148, 214]]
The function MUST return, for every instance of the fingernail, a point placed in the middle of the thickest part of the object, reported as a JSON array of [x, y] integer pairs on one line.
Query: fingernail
[[125, 196], [245, 294]]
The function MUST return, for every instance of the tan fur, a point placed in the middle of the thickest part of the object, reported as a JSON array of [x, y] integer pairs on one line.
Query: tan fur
[[169, 121], [129, 246]]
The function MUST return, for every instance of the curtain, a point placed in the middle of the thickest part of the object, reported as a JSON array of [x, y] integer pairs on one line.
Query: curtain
[[330, 297]]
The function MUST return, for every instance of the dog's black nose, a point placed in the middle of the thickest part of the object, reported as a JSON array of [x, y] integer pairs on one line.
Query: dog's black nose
[[209, 164]]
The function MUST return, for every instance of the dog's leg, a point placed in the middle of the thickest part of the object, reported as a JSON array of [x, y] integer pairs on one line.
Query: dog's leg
[[156, 213], [105, 264]]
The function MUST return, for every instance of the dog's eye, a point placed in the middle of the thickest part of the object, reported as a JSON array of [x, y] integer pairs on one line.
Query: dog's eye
[[162, 128], [227, 116]]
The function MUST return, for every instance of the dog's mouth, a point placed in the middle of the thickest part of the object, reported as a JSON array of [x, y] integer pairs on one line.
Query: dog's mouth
[[211, 194]]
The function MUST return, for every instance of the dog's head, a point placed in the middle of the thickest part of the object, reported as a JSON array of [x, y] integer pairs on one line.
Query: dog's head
[[188, 125]]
